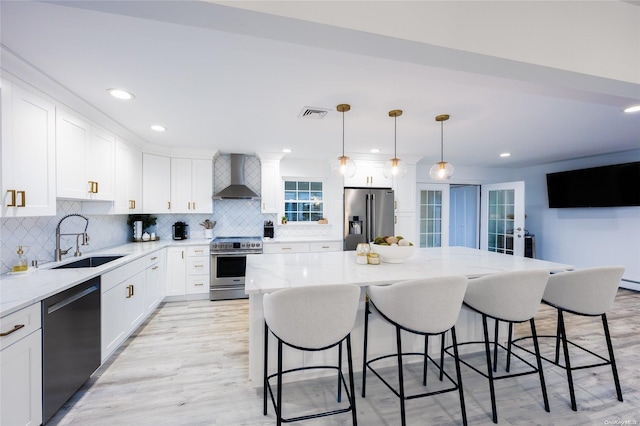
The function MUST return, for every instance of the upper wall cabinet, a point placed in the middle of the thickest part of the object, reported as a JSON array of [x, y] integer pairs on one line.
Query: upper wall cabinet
[[369, 174], [271, 185], [28, 154], [85, 160], [191, 186], [156, 183], [405, 191], [128, 179]]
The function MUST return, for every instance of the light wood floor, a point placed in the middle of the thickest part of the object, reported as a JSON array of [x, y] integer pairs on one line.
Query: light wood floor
[[187, 365]]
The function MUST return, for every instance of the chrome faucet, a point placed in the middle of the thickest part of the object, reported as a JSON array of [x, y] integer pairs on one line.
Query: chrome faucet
[[85, 238]]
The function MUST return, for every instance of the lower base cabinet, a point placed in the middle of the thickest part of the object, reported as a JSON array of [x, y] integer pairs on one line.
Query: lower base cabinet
[[187, 270], [21, 368]]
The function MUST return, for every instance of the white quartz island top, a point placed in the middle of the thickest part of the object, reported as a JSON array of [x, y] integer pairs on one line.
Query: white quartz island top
[[269, 272]]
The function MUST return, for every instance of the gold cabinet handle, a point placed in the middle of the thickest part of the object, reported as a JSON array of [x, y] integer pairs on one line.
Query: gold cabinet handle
[[154, 257], [198, 251], [198, 266], [194, 205], [134, 203], [286, 248], [96, 190], [395, 205], [198, 284], [13, 198], [15, 328], [169, 205], [189, 205], [23, 203], [132, 290], [129, 293], [155, 267]]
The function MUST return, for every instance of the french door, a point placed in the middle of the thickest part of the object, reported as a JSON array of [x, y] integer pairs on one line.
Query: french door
[[502, 218], [433, 205]]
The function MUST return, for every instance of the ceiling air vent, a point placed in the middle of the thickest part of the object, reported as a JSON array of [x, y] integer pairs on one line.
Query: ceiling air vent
[[313, 113]]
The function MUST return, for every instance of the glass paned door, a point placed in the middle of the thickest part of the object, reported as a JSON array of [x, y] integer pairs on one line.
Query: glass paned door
[[503, 218], [433, 204]]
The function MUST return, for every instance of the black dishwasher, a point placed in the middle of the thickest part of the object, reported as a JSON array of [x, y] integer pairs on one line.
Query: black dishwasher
[[70, 343]]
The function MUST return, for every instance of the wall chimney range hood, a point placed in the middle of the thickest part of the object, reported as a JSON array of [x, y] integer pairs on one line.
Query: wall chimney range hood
[[237, 190]]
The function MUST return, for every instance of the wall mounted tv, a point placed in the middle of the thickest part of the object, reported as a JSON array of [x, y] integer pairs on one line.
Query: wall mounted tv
[[617, 185]]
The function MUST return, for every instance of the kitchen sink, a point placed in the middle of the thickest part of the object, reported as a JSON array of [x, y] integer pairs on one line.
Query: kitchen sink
[[89, 262]]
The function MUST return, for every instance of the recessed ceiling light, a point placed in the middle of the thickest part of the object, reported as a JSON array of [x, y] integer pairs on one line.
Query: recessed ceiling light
[[286, 150], [505, 154], [634, 108], [158, 128], [120, 94], [374, 150]]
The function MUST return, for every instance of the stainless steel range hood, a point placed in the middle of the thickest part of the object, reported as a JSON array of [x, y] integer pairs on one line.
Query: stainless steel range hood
[[237, 190]]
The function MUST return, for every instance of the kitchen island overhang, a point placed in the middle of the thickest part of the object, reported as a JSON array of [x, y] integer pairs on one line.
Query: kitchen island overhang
[[271, 272]]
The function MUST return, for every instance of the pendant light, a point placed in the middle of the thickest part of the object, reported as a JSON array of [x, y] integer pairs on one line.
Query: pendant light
[[343, 165], [441, 170], [395, 167]]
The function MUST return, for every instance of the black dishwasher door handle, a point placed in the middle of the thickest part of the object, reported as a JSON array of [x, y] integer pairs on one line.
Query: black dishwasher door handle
[[59, 305]]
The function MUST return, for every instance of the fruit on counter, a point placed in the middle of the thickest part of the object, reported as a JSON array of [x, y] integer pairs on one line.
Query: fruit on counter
[[391, 241]]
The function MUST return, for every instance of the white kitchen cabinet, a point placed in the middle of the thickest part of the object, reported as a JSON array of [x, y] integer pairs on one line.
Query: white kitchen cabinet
[[28, 154], [156, 183], [271, 186], [122, 304], [369, 174], [302, 247], [85, 156], [325, 246], [191, 186], [405, 226], [197, 269], [154, 280], [21, 367], [405, 190], [176, 284], [187, 270], [128, 196]]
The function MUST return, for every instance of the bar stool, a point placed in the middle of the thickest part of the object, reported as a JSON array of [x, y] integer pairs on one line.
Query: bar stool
[[586, 292], [425, 307], [312, 318], [511, 297]]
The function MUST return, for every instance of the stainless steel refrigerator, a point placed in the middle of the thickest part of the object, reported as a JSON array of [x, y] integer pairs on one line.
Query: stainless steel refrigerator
[[368, 213]]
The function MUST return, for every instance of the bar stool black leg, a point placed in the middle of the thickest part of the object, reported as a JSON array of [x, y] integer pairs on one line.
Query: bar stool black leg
[[364, 350], [489, 368], [565, 346], [558, 338], [352, 394], [400, 376], [279, 397], [495, 346], [266, 365], [442, 355], [339, 372], [458, 374], [614, 369], [425, 359], [509, 346], [543, 385]]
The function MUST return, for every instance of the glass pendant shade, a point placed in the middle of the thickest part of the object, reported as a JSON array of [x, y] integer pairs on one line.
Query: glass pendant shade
[[394, 168], [343, 166], [441, 170]]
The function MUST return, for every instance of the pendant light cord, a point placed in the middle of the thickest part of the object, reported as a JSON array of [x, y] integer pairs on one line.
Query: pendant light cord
[[343, 133], [395, 134], [442, 141]]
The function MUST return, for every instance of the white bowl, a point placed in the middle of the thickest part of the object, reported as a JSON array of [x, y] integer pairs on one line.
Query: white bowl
[[393, 254]]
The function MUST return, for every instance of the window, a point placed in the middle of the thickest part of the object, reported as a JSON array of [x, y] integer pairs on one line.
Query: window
[[303, 201]]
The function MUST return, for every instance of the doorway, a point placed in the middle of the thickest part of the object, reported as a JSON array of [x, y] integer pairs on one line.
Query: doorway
[[464, 216]]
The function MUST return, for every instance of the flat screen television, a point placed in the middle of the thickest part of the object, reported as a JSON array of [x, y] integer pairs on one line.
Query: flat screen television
[[617, 185]]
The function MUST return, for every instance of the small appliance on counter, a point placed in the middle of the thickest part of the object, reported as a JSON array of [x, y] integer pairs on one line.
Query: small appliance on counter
[[180, 231], [268, 229]]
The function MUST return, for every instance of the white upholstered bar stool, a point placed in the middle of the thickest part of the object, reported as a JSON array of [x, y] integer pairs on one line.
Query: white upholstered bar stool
[[312, 318], [427, 307], [511, 297], [586, 292]]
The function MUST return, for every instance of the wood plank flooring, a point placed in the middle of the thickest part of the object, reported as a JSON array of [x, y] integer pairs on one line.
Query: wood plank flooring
[[187, 365]]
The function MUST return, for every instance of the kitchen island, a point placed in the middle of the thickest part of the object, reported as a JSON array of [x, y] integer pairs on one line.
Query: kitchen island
[[270, 272]]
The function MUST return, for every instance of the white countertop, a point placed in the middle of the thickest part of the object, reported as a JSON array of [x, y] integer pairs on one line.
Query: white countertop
[[21, 290], [270, 272]]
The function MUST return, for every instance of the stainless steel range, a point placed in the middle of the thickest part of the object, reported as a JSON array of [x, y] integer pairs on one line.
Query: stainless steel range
[[228, 265]]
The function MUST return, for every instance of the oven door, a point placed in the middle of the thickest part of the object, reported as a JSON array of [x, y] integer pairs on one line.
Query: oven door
[[227, 276]]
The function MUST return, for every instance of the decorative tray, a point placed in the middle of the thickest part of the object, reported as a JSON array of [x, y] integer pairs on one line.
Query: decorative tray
[[140, 240]]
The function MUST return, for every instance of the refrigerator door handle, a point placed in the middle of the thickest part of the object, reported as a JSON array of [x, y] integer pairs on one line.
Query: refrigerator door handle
[[372, 218]]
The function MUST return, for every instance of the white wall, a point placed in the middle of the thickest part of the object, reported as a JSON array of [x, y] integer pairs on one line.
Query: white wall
[[583, 237]]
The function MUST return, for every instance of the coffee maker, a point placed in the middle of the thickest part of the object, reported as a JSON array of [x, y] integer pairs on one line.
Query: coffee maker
[[180, 231]]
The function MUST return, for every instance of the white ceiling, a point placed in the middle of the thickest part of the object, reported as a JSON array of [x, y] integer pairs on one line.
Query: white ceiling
[[217, 81]]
